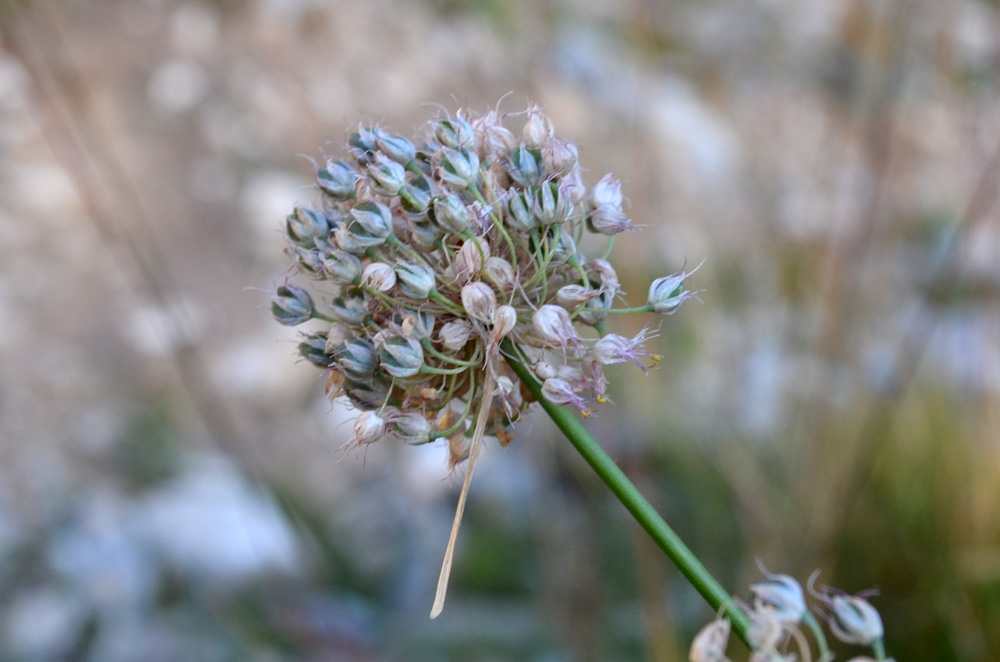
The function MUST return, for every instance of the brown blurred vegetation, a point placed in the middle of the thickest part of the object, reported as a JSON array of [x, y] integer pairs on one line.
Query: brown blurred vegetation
[[170, 480]]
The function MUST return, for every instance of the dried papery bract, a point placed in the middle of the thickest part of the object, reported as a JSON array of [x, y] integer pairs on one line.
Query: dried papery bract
[[428, 256]]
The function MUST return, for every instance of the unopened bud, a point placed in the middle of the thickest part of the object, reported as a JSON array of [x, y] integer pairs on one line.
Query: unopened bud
[[368, 428], [305, 226], [571, 296], [553, 325], [367, 395], [470, 258], [349, 309], [416, 196], [409, 427], [459, 168], [451, 214], [501, 272], [559, 156], [479, 301], [415, 280], [417, 324], [379, 276], [523, 167], [375, 218], [608, 191], [710, 643], [454, 335], [397, 148], [385, 176], [357, 359], [362, 145], [537, 130], [668, 293], [341, 267], [454, 132], [853, 620], [401, 356], [520, 214], [550, 205], [291, 305], [782, 596], [493, 138], [313, 349], [337, 179], [504, 319], [608, 220]]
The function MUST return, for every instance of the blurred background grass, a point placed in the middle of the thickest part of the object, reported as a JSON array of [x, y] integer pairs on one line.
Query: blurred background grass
[[170, 480]]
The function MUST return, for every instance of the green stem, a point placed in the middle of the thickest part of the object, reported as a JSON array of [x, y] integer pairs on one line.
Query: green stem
[[634, 502], [878, 647], [824, 648]]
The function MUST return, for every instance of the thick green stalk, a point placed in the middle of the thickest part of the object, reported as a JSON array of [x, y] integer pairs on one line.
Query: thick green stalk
[[634, 502]]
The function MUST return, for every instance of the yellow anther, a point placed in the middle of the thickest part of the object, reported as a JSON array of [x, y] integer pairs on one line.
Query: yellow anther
[[586, 413], [601, 399]]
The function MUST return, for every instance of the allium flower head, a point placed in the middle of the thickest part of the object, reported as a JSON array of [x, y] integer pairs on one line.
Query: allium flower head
[[433, 256]]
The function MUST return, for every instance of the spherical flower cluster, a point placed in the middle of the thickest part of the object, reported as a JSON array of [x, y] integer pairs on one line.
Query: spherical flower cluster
[[434, 260]]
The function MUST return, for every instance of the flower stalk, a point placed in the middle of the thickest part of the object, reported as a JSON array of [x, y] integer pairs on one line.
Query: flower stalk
[[633, 500]]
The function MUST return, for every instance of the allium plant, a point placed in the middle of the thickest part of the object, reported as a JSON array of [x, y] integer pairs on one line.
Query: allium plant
[[448, 277]]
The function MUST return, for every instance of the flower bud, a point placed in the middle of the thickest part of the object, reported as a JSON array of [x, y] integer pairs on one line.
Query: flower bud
[[608, 220], [458, 168], [544, 370], [493, 139], [504, 319], [710, 643], [305, 226], [853, 620], [501, 271], [367, 395], [415, 280], [559, 156], [291, 305], [520, 214], [454, 335], [397, 148], [416, 324], [780, 595], [368, 428], [614, 348], [379, 276], [479, 301], [416, 196], [571, 296], [362, 145], [341, 267], [454, 132], [373, 217], [553, 325], [523, 167], [470, 258], [309, 260], [668, 293], [349, 309], [409, 427], [606, 274], [594, 311], [337, 179], [573, 186], [550, 205], [385, 176], [608, 191], [424, 234], [336, 337], [451, 214], [565, 249], [401, 356], [357, 359], [537, 130], [313, 349]]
